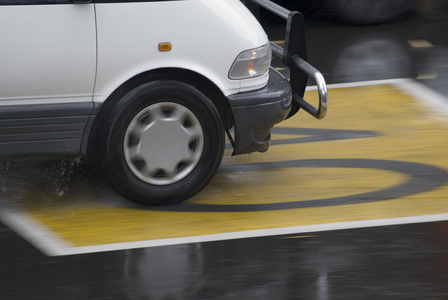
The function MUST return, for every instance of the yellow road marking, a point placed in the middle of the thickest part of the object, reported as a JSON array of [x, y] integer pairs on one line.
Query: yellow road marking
[[295, 184], [420, 44], [407, 132]]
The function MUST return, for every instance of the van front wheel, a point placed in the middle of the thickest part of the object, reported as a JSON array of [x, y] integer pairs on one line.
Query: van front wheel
[[165, 143]]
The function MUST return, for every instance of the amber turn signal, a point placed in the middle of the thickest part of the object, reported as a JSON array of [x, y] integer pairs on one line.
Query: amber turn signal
[[164, 47]]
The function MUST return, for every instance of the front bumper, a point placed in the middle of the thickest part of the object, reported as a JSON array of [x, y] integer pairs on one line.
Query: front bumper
[[257, 111], [294, 57]]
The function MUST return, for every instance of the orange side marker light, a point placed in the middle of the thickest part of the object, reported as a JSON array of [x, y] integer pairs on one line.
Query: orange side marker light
[[163, 47]]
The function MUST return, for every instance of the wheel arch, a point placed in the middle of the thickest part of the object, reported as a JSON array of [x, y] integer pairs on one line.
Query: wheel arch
[[194, 79]]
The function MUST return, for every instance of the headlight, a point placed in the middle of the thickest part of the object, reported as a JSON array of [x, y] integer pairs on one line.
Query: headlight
[[251, 63]]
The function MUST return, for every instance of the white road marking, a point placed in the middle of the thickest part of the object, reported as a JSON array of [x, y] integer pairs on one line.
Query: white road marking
[[40, 236], [418, 91], [420, 44], [52, 245]]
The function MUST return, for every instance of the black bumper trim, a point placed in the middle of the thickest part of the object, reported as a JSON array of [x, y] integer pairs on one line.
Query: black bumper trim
[[256, 112], [43, 128]]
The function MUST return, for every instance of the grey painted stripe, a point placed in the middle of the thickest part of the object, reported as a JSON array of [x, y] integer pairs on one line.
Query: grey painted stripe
[[46, 110]]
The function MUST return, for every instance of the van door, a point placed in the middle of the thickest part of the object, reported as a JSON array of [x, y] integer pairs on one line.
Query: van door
[[47, 73]]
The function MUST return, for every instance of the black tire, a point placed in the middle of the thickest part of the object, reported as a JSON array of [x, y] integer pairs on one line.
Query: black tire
[[186, 148]]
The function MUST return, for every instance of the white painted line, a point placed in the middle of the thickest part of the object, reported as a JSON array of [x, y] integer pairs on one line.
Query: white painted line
[[420, 44], [425, 95], [53, 248], [40, 236], [361, 83], [418, 91], [52, 245]]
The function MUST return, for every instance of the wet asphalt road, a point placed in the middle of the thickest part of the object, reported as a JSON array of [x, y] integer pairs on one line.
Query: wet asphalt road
[[390, 262], [394, 262]]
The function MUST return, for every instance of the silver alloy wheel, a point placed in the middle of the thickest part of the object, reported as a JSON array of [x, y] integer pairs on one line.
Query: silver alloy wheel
[[163, 143]]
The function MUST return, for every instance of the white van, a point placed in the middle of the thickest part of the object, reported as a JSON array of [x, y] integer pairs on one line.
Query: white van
[[147, 88]]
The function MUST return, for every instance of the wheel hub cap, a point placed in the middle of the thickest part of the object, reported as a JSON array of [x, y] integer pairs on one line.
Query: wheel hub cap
[[163, 143]]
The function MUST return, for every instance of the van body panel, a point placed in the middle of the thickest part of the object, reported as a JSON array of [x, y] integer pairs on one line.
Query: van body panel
[[47, 76], [206, 37]]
